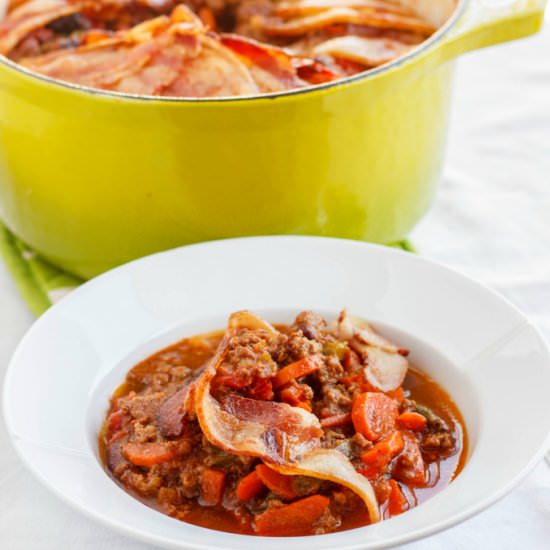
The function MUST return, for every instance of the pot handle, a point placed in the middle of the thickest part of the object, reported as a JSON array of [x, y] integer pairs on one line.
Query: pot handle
[[488, 22]]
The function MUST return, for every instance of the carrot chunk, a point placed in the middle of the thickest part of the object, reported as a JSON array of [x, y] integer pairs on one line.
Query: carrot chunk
[[250, 486], [299, 368], [261, 389], [212, 486], [115, 422], [276, 482], [412, 421], [381, 454], [293, 519], [397, 394], [336, 420], [148, 454], [397, 503], [293, 394], [374, 415]]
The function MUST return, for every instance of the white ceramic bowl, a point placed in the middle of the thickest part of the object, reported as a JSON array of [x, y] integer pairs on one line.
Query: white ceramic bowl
[[492, 361]]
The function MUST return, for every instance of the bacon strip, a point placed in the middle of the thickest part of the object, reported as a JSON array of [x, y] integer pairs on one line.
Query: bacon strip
[[306, 7], [29, 17], [385, 364], [284, 437], [369, 52], [270, 67], [170, 57], [334, 16], [103, 64], [174, 411], [215, 72]]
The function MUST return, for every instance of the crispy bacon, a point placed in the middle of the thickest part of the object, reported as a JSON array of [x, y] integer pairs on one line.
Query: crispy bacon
[[214, 72], [286, 438], [303, 7], [28, 17], [158, 57], [104, 64], [334, 16], [271, 68], [369, 52], [24, 18], [159, 47], [173, 412], [385, 363]]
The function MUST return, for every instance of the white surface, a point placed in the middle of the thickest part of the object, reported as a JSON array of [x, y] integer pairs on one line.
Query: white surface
[[109, 324], [491, 220]]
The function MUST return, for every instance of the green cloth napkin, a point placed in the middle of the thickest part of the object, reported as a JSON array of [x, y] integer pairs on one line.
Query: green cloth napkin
[[41, 284]]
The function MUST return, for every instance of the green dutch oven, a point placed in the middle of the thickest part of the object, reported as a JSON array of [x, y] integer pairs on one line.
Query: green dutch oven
[[92, 179]]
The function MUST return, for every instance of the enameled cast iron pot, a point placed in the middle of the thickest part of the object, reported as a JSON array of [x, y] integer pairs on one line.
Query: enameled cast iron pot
[[92, 179]]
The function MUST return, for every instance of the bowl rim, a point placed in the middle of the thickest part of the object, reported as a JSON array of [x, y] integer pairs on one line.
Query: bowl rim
[[308, 90], [452, 520]]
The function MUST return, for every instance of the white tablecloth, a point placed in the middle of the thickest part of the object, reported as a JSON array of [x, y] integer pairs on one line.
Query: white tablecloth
[[491, 220]]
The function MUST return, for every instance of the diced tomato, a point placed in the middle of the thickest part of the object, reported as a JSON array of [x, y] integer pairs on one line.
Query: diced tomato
[[262, 389], [374, 415], [276, 482], [314, 72], [412, 421], [293, 519], [250, 486], [212, 486], [397, 503], [398, 395], [294, 395], [232, 381], [352, 379], [369, 472], [148, 454]]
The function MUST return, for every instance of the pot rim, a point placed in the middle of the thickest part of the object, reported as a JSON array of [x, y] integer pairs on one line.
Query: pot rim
[[365, 75]]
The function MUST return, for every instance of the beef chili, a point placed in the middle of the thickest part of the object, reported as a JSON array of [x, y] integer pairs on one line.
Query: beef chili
[[282, 430], [207, 48]]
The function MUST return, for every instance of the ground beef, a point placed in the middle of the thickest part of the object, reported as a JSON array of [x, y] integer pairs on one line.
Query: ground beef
[[293, 346], [168, 496], [333, 439], [249, 356], [144, 433], [437, 443], [382, 489], [146, 484], [327, 523], [335, 400], [142, 408]]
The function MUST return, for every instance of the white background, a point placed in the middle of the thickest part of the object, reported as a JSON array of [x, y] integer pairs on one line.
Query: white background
[[491, 220]]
